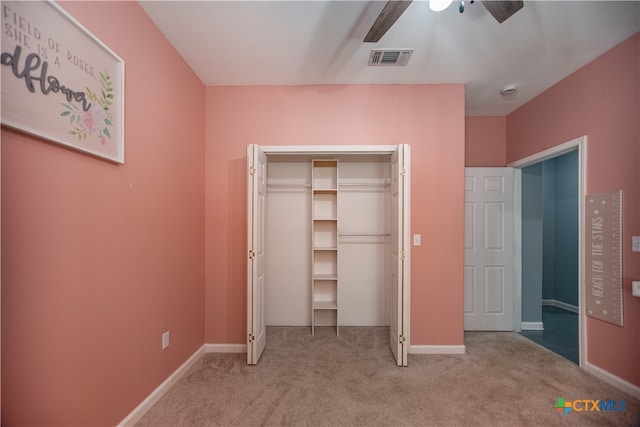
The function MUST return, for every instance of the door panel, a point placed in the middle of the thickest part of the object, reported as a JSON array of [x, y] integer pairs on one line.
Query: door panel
[[488, 249], [394, 325], [400, 252], [494, 290], [257, 191], [469, 290], [494, 223]]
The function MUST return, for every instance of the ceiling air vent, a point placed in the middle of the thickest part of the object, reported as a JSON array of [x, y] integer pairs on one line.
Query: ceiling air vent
[[395, 57]]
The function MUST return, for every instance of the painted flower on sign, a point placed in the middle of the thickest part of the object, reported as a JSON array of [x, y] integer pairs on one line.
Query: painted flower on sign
[[98, 118], [94, 119]]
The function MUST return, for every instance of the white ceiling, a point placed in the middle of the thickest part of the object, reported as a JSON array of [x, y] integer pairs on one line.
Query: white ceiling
[[320, 42]]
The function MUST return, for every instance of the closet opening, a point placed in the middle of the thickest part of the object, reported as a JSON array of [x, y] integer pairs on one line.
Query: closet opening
[[328, 238]]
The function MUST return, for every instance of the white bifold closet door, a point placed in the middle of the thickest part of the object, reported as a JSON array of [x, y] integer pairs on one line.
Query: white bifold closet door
[[400, 254], [373, 293], [256, 200]]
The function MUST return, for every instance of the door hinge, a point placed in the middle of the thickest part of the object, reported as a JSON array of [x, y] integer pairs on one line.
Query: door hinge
[[252, 338], [402, 255], [252, 170], [252, 254], [401, 339], [403, 171]]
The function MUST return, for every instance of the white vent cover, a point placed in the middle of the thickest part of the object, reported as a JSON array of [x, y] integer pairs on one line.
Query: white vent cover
[[397, 57]]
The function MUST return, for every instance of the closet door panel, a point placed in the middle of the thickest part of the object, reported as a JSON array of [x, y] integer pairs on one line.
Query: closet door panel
[[256, 259], [400, 254]]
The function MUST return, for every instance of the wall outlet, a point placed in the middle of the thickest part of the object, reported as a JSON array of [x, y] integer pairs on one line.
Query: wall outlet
[[165, 340], [635, 243]]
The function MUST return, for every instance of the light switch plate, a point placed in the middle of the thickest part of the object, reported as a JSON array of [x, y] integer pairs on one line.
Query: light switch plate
[[165, 340], [417, 240], [635, 243], [635, 288]]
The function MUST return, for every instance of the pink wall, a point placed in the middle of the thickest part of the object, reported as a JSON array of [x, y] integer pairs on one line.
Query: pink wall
[[99, 259], [485, 141], [602, 101], [429, 118]]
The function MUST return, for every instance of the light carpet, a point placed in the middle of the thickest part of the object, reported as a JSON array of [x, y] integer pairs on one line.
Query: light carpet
[[351, 380]]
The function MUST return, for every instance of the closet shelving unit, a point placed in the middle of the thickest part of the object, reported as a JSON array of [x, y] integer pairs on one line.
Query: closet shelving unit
[[324, 240]]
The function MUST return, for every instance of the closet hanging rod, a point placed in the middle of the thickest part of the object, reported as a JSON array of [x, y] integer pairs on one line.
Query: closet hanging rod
[[363, 184], [288, 185], [364, 234], [345, 184]]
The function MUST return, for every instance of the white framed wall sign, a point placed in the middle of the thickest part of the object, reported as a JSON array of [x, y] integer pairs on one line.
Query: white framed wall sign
[[59, 82], [603, 254]]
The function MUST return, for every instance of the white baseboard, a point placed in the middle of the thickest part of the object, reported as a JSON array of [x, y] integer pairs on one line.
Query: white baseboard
[[437, 349], [613, 380], [560, 304], [225, 348], [156, 394], [532, 326]]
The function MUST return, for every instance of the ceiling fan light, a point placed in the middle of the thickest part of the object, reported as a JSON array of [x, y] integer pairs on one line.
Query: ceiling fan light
[[439, 5]]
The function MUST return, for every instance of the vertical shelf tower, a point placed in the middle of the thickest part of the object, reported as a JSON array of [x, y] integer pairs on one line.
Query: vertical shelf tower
[[324, 241]]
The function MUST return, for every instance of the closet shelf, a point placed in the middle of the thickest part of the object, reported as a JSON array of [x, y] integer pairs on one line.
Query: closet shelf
[[325, 248], [319, 276], [325, 305]]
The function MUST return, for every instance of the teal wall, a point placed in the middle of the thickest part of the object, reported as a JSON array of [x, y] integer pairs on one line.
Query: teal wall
[[549, 234], [560, 228], [532, 241]]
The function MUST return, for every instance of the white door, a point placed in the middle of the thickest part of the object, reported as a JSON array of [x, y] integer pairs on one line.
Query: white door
[[257, 191], [488, 249], [400, 251]]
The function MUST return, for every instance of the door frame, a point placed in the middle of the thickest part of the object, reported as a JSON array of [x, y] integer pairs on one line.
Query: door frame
[[580, 144], [375, 150]]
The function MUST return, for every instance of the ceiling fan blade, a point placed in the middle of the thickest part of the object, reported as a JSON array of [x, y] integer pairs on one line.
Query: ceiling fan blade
[[389, 15], [501, 10]]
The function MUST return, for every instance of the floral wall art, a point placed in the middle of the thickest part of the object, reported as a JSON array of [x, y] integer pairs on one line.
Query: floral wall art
[[59, 82]]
